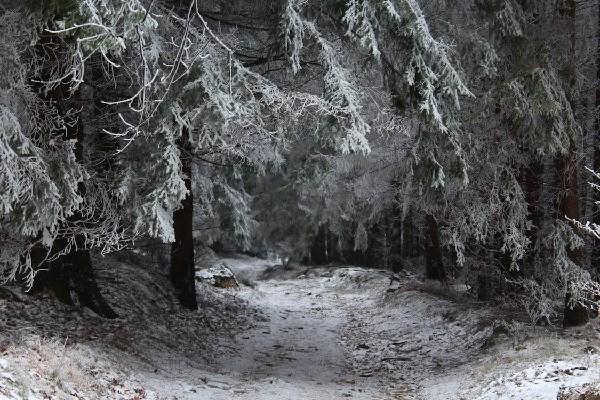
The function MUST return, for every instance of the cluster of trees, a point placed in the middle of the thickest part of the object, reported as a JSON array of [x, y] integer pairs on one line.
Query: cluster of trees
[[385, 132], [477, 163]]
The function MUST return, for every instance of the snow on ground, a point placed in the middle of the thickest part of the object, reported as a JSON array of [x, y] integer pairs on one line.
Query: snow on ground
[[155, 346], [296, 353], [536, 368], [299, 333], [436, 345]]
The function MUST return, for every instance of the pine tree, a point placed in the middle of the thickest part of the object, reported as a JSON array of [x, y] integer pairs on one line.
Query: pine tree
[[575, 313]]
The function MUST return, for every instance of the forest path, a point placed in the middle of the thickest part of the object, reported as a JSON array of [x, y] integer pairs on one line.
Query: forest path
[[337, 333], [321, 333], [296, 352]]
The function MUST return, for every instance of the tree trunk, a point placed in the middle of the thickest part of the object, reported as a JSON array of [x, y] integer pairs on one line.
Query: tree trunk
[[71, 279], [576, 314], [398, 263], [531, 179], [324, 249], [72, 273], [398, 259], [434, 264], [182, 250], [568, 202], [408, 238], [595, 193], [568, 206], [317, 248], [396, 237]]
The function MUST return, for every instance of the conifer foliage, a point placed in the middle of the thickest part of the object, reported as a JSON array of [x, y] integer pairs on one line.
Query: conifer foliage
[[450, 136]]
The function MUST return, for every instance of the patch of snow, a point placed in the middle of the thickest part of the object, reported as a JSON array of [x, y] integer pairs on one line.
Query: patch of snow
[[539, 381], [354, 278], [296, 352]]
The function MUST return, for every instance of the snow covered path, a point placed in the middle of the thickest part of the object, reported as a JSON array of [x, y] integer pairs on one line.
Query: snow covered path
[[296, 353], [352, 333]]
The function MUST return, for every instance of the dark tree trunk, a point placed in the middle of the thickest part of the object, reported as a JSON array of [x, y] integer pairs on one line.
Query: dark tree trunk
[[182, 250], [434, 264], [568, 206], [324, 249], [408, 238], [318, 251], [568, 202], [71, 279], [484, 286], [398, 262], [531, 179], [396, 238], [575, 314], [71, 273], [596, 194]]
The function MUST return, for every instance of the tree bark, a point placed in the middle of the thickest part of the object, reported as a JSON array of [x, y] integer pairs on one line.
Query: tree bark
[[576, 314], [182, 250], [531, 179], [317, 248], [398, 258], [568, 206], [596, 194], [323, 249], [408, 239], [72, 273], [434, 264], [568, 202]]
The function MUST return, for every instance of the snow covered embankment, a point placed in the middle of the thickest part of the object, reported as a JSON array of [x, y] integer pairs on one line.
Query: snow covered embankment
[[430, 343]]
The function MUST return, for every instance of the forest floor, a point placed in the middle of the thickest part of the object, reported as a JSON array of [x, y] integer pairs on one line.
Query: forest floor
[[304, 333]]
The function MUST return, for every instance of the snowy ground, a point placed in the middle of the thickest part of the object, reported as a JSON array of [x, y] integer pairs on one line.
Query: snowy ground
[[318, 333]]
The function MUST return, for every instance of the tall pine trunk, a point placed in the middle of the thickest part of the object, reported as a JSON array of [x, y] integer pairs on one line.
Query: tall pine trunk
[[71, 273], [434, 264], [398, 261], [71, 277], [531, 180], [399, 234], [568, 206], [568, 201], [595, 193], [182, 250], [408, 246]]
